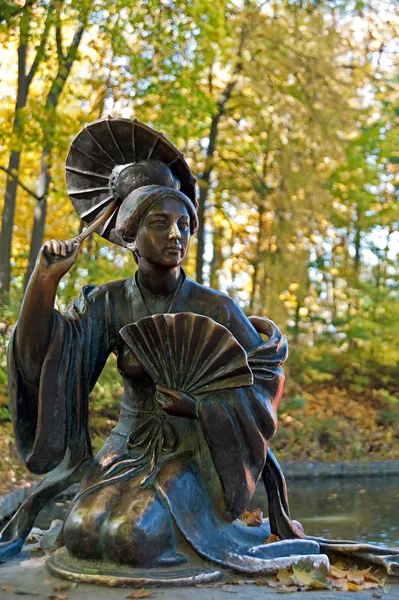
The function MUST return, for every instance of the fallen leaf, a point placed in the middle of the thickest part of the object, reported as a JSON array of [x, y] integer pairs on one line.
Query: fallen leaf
[[303, 577], [353, 587], [7, 588], [368, 585], [370, 577], [31, 539], [285, 577], [57, 596], [63, 586], [252, 518], [336, 572], [340, 584], [272, 539], [355, 576], [273, 584], [143, 593]]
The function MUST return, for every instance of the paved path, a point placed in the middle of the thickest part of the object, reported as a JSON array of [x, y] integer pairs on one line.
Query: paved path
[[27, 574]]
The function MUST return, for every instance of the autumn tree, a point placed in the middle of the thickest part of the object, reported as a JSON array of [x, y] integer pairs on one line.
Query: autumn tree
[[27, 19]]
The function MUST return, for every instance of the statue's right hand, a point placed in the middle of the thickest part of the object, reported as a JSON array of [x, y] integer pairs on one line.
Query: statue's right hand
[[56, 257]]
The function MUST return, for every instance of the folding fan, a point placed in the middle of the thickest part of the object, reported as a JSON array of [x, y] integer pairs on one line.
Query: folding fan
[[188, 352]]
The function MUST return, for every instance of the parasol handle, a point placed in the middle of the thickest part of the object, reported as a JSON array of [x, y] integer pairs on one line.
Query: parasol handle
[[108, 213]]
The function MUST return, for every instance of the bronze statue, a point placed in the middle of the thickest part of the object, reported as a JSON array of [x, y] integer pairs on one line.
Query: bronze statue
[[201, 387]]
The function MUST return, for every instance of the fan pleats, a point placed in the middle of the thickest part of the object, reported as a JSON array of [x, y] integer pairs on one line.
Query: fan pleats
[[188, 352]]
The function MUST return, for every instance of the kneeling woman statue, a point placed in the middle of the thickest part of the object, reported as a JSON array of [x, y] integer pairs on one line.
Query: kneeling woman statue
[[201, 387]]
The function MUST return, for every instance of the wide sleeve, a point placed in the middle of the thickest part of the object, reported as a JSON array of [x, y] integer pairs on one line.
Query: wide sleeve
[[50, 417], [237, 424]]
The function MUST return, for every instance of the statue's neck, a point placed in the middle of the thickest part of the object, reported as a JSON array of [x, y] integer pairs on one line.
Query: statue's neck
[[159, 281]]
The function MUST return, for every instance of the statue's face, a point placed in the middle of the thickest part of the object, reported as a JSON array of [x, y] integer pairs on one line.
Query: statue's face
[[164, 235]]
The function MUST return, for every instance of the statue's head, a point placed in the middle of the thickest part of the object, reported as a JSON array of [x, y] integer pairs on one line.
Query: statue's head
[[155, 220]]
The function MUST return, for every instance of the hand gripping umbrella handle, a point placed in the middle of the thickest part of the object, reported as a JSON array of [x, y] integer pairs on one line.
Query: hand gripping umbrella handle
[[96, 224]]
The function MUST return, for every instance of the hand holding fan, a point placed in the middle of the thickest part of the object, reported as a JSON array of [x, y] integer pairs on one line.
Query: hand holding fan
[[188, 352]]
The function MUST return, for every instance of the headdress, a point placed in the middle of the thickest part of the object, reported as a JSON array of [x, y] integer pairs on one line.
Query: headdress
[[110, 158], [137, 204]]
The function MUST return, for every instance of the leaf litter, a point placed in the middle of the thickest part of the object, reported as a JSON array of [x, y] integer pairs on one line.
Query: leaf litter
[[11, 588], [304, 576]]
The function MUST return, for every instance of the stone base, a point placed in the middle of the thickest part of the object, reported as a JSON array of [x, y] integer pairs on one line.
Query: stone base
[[61, 564]]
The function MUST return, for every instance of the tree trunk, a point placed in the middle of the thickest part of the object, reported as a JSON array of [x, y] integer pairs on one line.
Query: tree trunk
[[204, 189], [357, 247], [14, 161], [224, 97], [39, 212], [257, 258], [217, 259], [254, 289], [23, 83], [7, 224], [64, 68]]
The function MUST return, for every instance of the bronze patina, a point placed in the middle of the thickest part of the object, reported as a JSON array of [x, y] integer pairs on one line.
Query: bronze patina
[[160, 503]]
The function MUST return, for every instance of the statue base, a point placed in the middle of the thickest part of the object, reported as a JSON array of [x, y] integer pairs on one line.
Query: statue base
[[61, 564]]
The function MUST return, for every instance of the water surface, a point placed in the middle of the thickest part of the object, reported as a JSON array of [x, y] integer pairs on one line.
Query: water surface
[[363, 508]]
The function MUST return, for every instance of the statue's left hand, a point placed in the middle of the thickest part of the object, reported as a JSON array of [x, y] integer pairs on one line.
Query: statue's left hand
[[176, 403]]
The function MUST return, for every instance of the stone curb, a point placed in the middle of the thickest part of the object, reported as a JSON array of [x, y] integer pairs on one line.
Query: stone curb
[[313, 470]]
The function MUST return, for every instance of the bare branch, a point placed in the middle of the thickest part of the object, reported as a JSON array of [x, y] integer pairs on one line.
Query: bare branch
[[23, 186]]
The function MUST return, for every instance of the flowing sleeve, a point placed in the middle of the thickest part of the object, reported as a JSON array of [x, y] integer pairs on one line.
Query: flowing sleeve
[[50, 417], [238, 424]]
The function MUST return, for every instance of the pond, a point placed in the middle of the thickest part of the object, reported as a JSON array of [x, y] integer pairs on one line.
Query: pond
[[364, 509]]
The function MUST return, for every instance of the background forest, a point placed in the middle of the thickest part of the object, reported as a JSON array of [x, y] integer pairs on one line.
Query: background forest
[[288, 113]]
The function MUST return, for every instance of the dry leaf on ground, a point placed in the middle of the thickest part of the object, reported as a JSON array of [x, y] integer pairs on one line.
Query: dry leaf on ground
[[143, 593], [63, 586], [252, 518], [304, 576], [285, 577]]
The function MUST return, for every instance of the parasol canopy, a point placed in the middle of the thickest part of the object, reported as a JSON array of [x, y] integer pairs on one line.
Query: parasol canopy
[[96, 158]]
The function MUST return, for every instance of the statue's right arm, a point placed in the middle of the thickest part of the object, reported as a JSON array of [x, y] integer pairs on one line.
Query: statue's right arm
[[35, 322]]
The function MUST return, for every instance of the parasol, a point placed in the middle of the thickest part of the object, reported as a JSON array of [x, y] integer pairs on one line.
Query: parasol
[[96, 158]]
